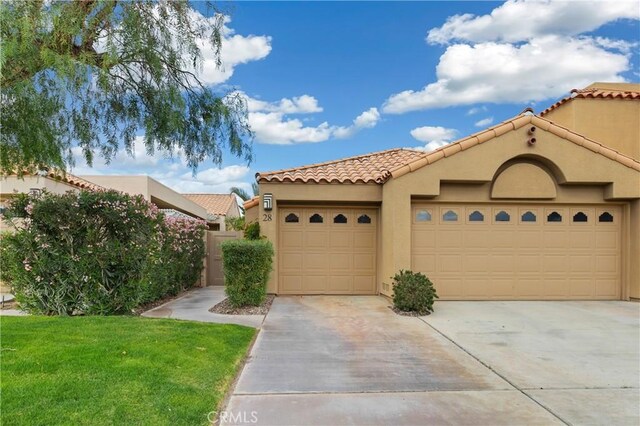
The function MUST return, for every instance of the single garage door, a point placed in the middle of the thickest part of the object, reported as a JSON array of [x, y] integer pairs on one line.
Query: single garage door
[[327, 250], [518, 251]]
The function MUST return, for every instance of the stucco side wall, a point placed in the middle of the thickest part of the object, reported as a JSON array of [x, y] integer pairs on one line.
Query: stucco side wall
[[305, 193], [251, 214], [634, 249], [12, 184], [613, 122]]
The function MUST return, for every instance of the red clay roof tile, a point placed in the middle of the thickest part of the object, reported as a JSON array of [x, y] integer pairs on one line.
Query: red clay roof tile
[[216, 204]]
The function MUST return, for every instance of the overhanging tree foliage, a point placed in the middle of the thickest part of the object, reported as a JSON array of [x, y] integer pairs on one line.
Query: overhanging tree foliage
[[94, 73]]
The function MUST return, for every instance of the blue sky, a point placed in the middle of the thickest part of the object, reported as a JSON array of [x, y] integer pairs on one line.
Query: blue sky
[[326, 80]]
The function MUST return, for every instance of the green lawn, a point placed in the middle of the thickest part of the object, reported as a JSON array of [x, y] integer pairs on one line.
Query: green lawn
[[115, 370]]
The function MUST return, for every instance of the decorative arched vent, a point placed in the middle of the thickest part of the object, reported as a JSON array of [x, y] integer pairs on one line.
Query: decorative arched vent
[[605, 217], [340, 219], [476, 216], [316, 218], [554, 217], [423, 216], [528, 217], [292, 218], [503, 216], [450, 216], [364, 219], [580, 217]]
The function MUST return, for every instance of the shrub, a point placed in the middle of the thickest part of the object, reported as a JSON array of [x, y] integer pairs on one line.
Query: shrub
[[247, 264], [252, 231], [235, 223], [97, 253], [413, 291]]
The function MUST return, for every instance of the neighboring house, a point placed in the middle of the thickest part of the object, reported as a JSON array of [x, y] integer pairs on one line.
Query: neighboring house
[[153, 191], [54, 182], [536, 207], [163, 197], [218, 206]]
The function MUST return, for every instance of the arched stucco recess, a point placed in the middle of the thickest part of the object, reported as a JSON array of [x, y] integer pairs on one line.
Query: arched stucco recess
[[523, 180], [573, 163]]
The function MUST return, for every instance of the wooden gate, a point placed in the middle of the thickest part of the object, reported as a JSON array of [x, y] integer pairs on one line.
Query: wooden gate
[[215, 274]]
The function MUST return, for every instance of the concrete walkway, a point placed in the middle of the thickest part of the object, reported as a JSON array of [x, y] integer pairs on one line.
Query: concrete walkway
[[195, 306], [350, 360]]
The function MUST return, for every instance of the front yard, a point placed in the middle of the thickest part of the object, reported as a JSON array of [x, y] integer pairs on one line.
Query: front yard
[[115, 370]]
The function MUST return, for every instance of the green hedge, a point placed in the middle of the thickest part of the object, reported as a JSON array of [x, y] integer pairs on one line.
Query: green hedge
[[247, 264], [97, 253]]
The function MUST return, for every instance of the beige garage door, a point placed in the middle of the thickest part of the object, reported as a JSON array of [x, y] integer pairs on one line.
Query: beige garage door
[[518, 252], [327, 250]]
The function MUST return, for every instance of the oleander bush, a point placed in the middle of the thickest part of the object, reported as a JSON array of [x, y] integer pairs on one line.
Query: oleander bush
[[97, 253], [413, 292], [247, 265]]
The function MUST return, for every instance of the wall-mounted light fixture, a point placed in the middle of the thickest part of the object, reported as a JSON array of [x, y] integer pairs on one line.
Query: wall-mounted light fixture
[[34, 192], [267, 202]]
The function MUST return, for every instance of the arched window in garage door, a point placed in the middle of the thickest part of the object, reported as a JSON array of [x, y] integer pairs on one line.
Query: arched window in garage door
[[291, 218], [554, 217], [364, 219], [580, 217], [316, 218], [605, 217], [340, 219]]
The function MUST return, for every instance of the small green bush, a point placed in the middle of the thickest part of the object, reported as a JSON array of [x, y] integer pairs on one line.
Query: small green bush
[[252, 231], [96, 253], [413, 292], [247, 264], [235, 223]]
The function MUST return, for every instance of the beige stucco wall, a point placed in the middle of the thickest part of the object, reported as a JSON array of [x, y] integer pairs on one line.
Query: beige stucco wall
[[613, 122], [634, 249], [12, 184]]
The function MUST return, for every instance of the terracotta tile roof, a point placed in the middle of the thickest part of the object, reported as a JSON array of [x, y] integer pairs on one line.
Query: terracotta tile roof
[[500, 129], [68, 178], [217, 204], [596, 93], [251, 203], [369, 168], [76, 181]]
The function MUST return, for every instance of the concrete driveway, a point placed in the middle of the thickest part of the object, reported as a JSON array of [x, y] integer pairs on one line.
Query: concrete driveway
[[326, 360]]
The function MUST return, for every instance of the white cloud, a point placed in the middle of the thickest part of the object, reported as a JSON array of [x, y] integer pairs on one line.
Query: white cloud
[[519, 20], [524, 51], [270, 123], [304, 104], [433, 133], [484, 122], [235, 50], [543, 68], [274, 128], [434, 137], [477, 110], [366, 120], [171, 172]]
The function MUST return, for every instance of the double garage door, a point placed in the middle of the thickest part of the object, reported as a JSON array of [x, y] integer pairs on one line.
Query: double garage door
[[518, 252], [327, 250]]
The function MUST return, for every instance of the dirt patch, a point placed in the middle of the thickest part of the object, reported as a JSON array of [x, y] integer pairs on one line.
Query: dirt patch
[[225, 307], [409, 313], [11, 304]]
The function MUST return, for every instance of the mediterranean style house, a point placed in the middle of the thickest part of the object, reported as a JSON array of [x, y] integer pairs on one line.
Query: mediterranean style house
[[542, 206]]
